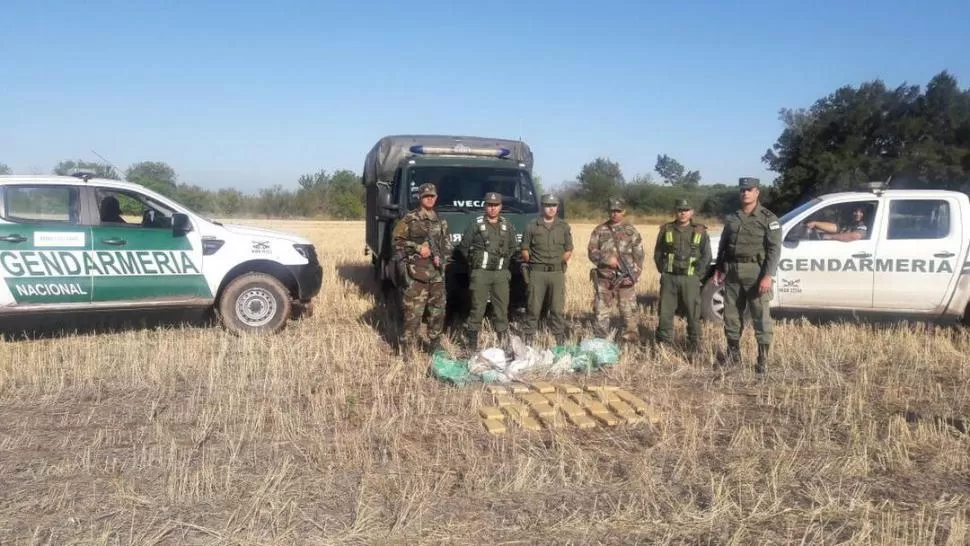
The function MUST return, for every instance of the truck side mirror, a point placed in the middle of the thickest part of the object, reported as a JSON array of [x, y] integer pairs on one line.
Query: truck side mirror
[[181, 224]]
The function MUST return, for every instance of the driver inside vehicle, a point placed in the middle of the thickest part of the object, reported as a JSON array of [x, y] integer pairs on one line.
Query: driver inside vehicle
[[851, 231], [111, 210]]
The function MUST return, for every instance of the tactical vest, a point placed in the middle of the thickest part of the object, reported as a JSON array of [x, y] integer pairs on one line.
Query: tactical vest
[[481, 258], [682, 265], [418, 268]]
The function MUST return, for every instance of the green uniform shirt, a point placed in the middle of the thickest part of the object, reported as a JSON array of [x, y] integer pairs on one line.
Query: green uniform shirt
[[754, 237], [547, 241], [487, 245], [682, 250]]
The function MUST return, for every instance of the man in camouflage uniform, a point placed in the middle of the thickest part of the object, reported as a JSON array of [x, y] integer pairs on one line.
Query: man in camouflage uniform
[[610, 241], [417, 237], [747, 260], [546, 247], [487, 246], [682, 254]]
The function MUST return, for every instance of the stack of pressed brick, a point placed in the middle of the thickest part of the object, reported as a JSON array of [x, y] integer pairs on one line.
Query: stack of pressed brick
[[544, 405]]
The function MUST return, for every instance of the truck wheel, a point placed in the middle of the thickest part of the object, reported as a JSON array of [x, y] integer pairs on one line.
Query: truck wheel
[[712, 302], [255, 303]]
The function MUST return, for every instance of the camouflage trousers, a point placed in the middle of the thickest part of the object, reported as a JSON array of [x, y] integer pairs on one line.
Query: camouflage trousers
[[603, 301], [418, 297]]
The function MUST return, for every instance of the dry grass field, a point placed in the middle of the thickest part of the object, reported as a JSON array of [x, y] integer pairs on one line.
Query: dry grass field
[[184, 434]]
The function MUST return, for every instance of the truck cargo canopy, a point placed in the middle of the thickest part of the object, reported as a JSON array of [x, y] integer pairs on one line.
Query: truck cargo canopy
[[384, 158]]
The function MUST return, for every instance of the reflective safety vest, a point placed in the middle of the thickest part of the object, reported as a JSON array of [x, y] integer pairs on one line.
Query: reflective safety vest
[[695, 245], [493, 262]]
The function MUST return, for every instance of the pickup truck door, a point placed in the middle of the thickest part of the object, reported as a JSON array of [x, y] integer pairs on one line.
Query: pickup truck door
[[827, 273], [918, 257]]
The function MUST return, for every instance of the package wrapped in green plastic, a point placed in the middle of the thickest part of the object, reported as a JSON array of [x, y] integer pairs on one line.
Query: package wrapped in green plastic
[[492, 365], [455, 370], [601, 352], [449, 369]]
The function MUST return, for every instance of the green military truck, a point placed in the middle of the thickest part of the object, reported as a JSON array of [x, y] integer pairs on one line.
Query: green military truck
[[463, 169]]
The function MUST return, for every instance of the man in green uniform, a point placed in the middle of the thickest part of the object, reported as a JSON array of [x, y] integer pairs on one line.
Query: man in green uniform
[[423, 249], [546, 246], [682, 253], [747, 260], [611, 245], [487, 246]]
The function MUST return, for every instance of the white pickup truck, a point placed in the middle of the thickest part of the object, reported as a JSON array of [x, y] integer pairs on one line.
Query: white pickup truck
[[910, 260]]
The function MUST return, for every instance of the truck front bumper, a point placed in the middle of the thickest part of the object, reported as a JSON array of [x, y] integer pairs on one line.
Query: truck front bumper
[[309, 279]]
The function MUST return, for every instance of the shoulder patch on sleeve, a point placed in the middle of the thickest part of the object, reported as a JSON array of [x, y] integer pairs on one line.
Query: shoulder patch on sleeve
[[774, 225]]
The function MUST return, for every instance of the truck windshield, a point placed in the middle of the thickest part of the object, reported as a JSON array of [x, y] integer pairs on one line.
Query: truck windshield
[[464, 188]]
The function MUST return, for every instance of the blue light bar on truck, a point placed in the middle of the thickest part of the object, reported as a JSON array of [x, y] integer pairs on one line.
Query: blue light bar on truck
[[460, 150]]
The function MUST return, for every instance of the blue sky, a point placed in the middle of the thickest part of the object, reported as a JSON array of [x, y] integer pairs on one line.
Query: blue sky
[[247, 95]]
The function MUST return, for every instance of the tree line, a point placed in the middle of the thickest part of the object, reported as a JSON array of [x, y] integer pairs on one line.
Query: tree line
[[909, 136]]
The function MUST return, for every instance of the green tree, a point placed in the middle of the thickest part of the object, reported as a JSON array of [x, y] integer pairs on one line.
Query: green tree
[[230, 201], [345, 196], [673, 173], [155, 175], [101, 170], [311, 197], [537, 185], [4, 169], [195, 198], [871, 132], [276, 202], [600, 180]]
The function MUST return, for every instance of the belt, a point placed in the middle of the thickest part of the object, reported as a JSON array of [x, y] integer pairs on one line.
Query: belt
[[678, 271], [545, 267], [745, 260]]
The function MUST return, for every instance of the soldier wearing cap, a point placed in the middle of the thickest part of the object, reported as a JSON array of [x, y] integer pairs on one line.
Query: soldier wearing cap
[[609, 242], [487, 246], [747, 260], [682, 254], [416, 237], [547, 245]]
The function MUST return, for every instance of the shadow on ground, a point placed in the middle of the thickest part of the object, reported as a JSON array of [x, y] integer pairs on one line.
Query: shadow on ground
[[361, 276], [878, 321], [36, 327]]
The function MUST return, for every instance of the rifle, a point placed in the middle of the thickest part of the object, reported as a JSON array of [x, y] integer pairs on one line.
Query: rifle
[[435, 245], [625, 270]]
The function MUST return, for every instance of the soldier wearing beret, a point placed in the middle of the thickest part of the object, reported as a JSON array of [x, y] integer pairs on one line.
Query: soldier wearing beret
[[747, 261], [423, 270], [547, 245], [487, 246], [682, 254]]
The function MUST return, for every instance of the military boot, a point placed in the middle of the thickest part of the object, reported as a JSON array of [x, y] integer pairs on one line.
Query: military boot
[[407, 345], [434, 345], [762, 366], [630, 336], [471, 341], [733, 353], [504, 341]]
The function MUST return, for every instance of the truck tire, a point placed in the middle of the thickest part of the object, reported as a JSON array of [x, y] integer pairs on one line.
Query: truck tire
[[712, 302], [255, 303]]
